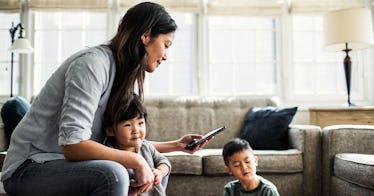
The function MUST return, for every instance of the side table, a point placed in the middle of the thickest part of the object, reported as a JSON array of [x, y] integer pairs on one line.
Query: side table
[[325, 116]]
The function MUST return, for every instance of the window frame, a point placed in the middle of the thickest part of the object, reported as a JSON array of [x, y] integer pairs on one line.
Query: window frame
[[201, 82]]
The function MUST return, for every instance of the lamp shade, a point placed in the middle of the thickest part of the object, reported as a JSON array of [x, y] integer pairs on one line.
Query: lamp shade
[[351, 26], [21, 45]]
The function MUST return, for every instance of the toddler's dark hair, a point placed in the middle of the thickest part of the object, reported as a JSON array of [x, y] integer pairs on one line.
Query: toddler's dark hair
[[233, 146], [133, 110]]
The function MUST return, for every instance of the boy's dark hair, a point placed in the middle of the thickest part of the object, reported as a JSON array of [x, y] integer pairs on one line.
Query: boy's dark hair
[[233, 146]]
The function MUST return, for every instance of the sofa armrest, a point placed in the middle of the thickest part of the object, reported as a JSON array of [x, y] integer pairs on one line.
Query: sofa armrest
[[343, 139], [307, 139]]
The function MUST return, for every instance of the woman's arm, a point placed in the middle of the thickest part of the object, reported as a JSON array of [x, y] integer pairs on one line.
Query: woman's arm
[[179, 145], [91, 150]]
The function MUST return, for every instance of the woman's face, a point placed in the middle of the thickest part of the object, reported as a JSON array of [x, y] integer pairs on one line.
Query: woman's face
[[156, 49]]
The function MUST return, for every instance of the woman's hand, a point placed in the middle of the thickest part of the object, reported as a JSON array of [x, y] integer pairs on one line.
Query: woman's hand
[[144, 178], [186, 139], [180, 144]]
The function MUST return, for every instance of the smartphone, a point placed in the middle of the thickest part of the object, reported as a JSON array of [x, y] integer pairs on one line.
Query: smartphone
[[206, 137]]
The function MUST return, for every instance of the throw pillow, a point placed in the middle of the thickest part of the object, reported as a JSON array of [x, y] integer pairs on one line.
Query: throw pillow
[[12, 112], [267, 128]]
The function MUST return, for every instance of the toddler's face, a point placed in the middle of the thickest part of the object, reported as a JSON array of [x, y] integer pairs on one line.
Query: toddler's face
[[243, 165], [130, 133]]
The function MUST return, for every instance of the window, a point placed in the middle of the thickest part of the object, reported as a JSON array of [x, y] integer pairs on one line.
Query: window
[[60, 34], [176, 75], [317, 72], [260, 48], [242, 55], [5, 57]]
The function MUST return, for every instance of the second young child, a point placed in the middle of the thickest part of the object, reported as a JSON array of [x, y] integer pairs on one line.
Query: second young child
[[127, 132], [241, 162]]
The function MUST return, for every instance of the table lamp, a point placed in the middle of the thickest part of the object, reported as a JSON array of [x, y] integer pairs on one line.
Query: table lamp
[[21, 45], [346, 30]]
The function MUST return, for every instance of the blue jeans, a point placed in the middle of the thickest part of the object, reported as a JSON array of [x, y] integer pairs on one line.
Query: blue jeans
[[61, 177]]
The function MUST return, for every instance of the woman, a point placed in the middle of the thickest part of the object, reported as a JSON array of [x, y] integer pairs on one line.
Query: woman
[[56, 150]]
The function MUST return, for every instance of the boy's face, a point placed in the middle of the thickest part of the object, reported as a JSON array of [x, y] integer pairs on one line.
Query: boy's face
[[130, 133], [242, 165]]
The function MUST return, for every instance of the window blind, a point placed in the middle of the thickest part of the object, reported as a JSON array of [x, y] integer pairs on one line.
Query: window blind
[[170, 5], [323, 6], [212, 7], [92, 5], [10, 6], [244, 7]]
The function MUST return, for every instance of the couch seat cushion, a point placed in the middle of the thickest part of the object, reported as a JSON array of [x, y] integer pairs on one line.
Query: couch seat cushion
[[280, 161], [274, 161], [184, 163], [355, 168]]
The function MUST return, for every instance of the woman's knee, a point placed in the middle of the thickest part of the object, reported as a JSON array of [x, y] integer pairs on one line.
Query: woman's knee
[[114, 177], [114, 171]]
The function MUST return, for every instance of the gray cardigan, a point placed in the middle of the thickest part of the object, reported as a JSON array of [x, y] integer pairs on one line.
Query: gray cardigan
[[68, 109]]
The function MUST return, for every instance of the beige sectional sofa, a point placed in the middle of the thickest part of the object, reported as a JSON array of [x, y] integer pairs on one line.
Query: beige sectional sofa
[[295, 171], [342, 154], [348, 160]]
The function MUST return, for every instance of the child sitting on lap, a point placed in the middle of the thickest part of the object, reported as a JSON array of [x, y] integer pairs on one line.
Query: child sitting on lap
[[241, 162], [127, 132]]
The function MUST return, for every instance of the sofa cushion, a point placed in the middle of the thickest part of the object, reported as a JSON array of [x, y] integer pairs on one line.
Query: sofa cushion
[[355, 168], [283, 161], [184, 163], [280, 161], [267, 128]]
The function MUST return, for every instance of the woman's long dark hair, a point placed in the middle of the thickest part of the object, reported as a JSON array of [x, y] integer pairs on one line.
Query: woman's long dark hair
[[129, 51]]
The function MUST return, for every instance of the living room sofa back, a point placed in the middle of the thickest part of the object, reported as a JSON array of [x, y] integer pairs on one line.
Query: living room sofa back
[[170, 118]]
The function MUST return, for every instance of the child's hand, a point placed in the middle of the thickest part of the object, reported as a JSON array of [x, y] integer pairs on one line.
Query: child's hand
[[158, 176]]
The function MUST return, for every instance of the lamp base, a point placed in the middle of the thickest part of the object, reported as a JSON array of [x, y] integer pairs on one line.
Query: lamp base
[[349, 104]]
